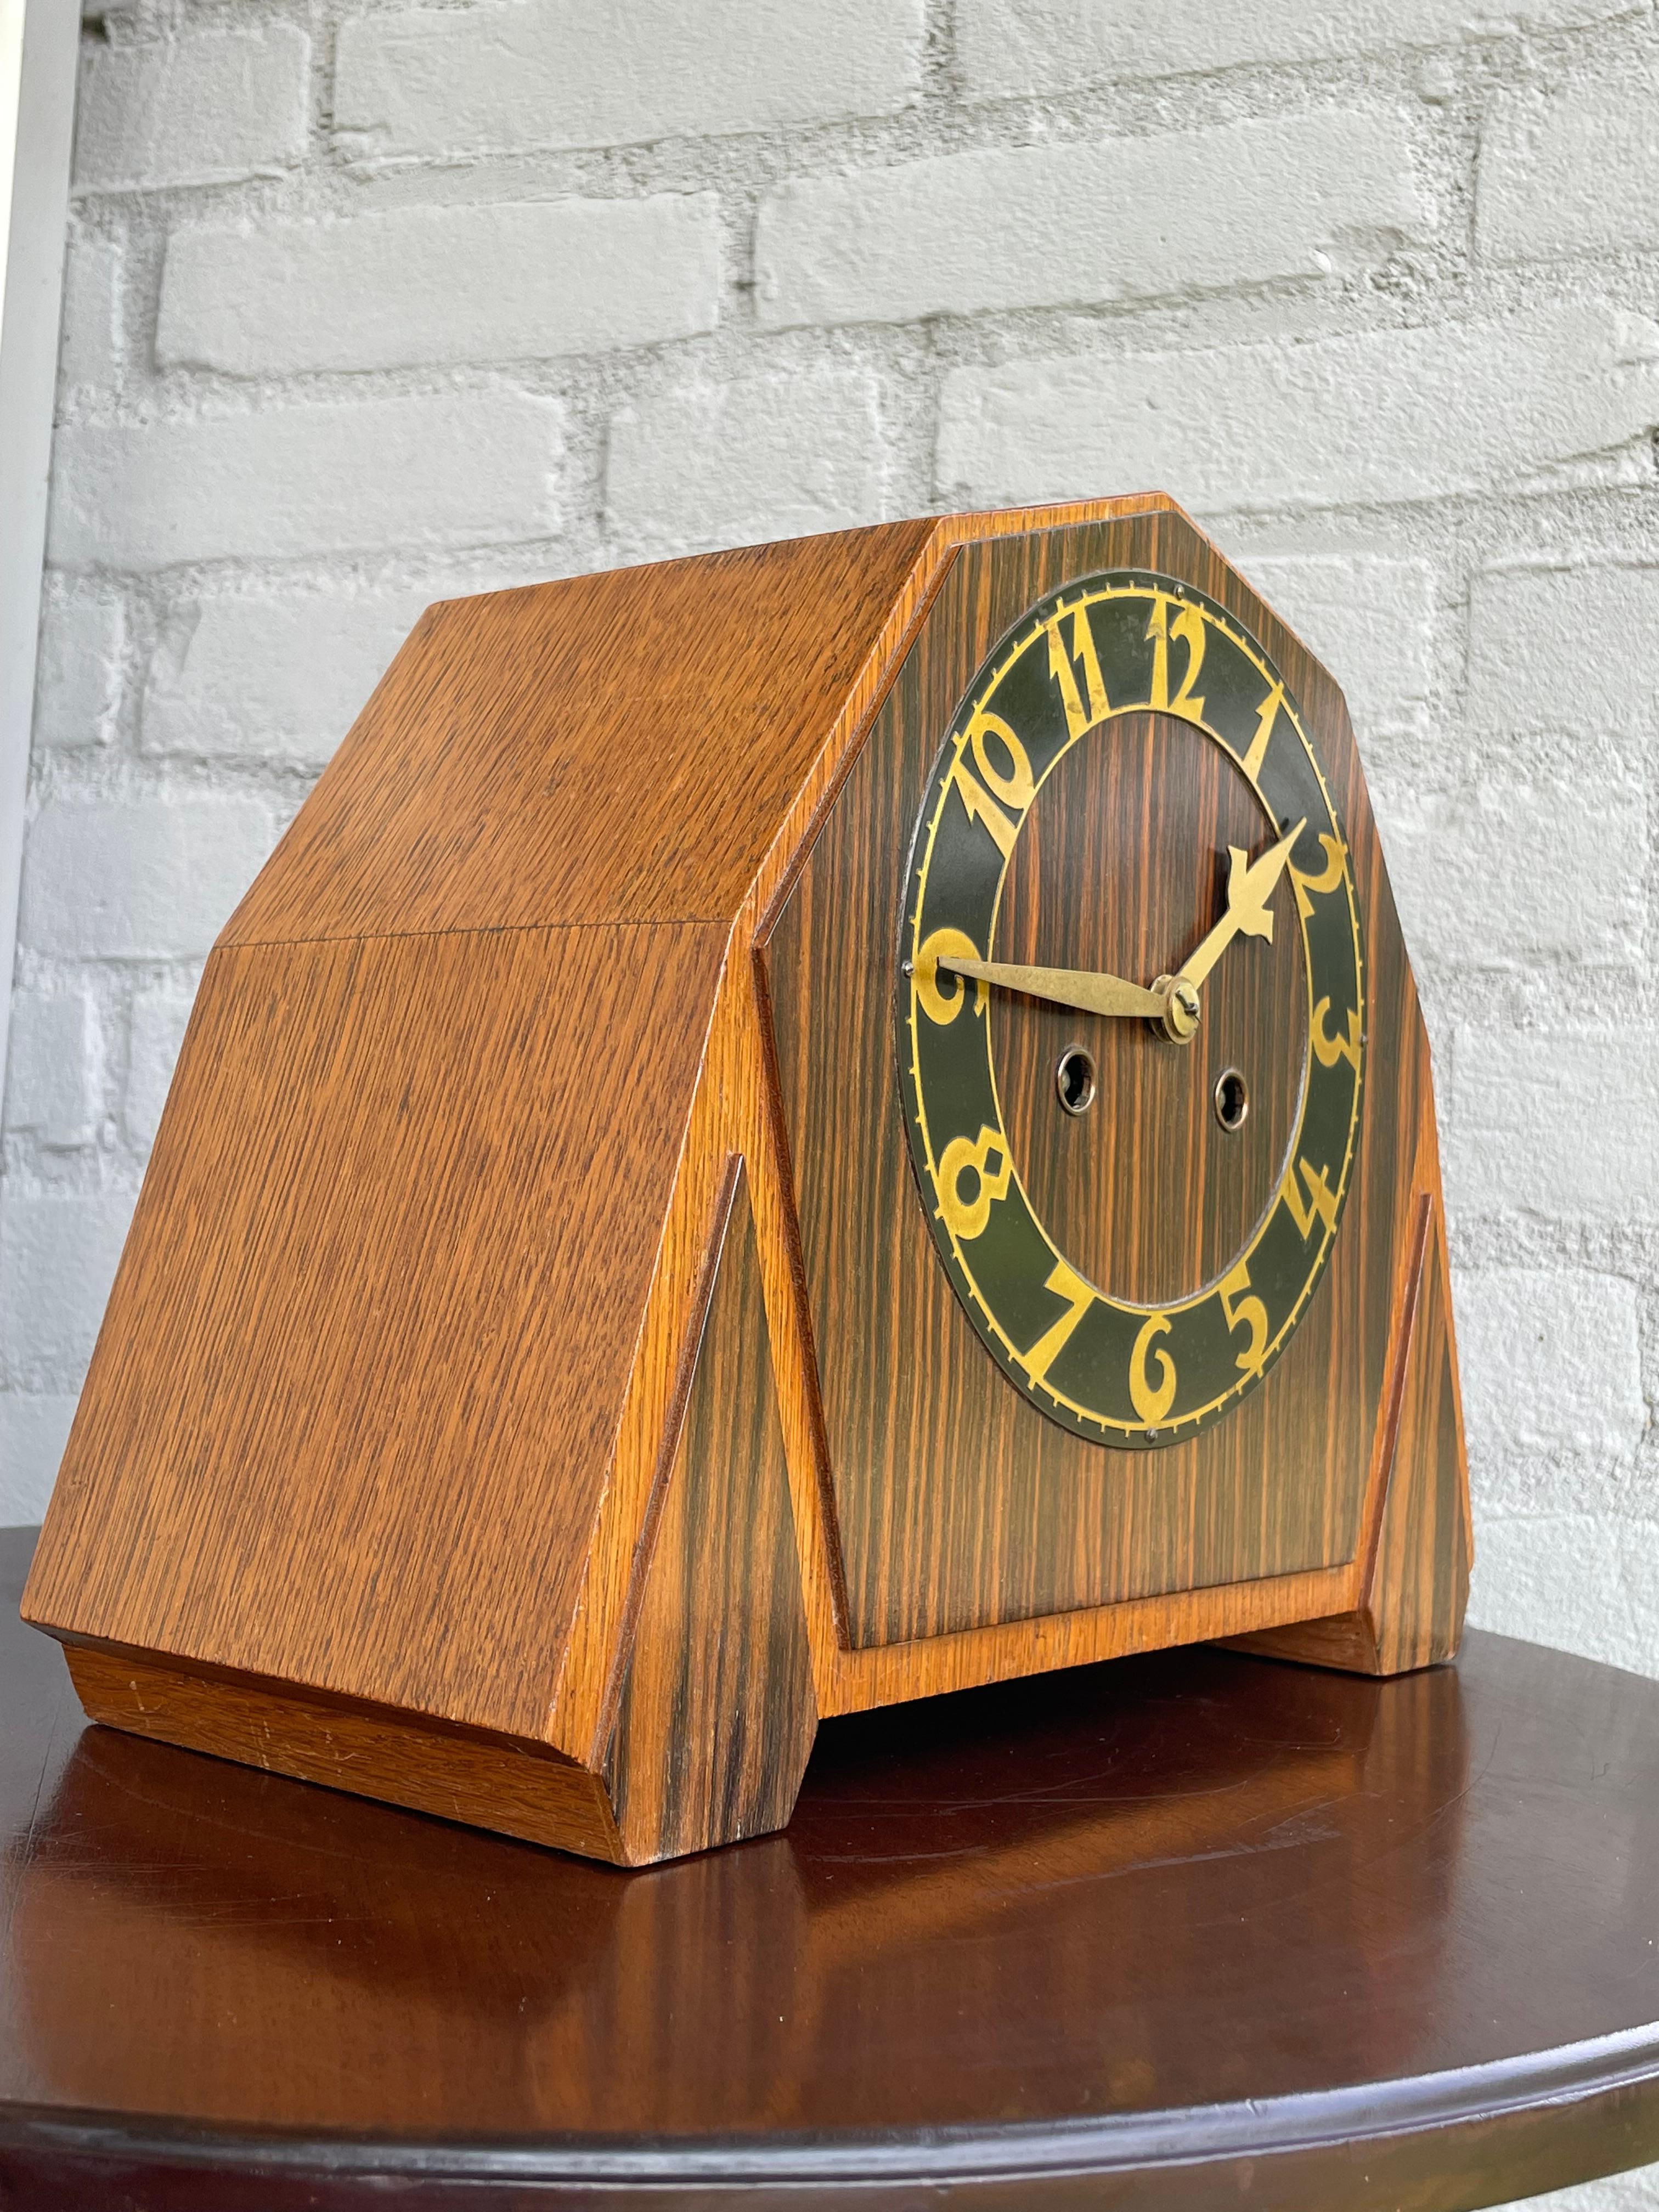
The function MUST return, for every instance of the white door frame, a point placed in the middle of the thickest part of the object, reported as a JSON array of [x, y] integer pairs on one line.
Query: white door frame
[[40, 47]]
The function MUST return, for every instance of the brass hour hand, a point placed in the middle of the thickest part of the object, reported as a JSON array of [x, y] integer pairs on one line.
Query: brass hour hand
[[1089, 992], [1250, 884]]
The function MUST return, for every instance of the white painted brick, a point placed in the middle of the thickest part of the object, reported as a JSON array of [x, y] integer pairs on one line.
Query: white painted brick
[[1636, 2191], [34, 1432], [615, 72], [1571, 172], [1583, 1584], [192, 110], [57, 1257], [512, 282], [462, 469], [52, 1079], [1378, 416], [1558, 1125], [78, 677], [1560, 650], [87, 359], [772, 457], [1371, 620], [159, 1021], [1007, 48], [148, 879], [1550, 1362], [275, 678], [1580, 898], [970, 233]]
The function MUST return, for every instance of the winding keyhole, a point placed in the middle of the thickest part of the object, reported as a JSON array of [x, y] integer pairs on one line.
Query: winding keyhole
[[1074, 1079]]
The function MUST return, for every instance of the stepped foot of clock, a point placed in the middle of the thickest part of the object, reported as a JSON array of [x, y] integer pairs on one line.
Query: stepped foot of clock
[[714, 1711], [1416, 1585]]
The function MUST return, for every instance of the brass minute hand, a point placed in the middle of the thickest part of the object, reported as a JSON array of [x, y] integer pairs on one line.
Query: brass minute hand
[[1249, 886], [1083, 988]]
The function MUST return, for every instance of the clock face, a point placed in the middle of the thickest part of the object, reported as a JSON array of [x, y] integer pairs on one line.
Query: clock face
[[1131, 1009]]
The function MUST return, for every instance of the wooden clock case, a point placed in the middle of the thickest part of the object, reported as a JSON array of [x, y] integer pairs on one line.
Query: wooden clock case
[[529, 1393]]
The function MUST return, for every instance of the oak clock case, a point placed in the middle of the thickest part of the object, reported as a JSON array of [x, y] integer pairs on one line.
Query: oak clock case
[[1234, 1240], [1032, 1252]]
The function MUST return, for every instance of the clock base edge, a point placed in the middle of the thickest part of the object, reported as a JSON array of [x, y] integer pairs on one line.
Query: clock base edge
[[517, 1789]]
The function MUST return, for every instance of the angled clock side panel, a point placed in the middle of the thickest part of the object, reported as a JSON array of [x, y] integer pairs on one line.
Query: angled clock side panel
[[608, 748], [356, 1392], [958, 1505], [712, 1712]]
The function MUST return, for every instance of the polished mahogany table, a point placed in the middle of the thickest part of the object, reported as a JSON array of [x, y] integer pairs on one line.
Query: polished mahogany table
[[1194, 1930]]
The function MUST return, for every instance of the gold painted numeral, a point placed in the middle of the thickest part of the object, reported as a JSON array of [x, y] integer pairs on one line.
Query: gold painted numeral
[[1078, 718], [1245, 1313], [939, 1005], [1327, 1050], [1320, 1204], [1152, 1400], [966, 1218], [1189, 627], [1252, 761], [1066, 1284], [983, 809], [1013, 785], [1306, 887]]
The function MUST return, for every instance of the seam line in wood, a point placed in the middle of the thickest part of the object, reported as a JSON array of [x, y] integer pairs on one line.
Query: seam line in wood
[[673, 1429], [474, 929]]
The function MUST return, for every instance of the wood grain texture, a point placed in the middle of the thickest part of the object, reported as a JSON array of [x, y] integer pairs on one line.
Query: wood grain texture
[[737, 1110], [357, 1390], [714, 1710], [385, 1406], [518, 1789], [619, 747], [1420, 1584], [1417, 1548], [1126, 843], [962, 1507]]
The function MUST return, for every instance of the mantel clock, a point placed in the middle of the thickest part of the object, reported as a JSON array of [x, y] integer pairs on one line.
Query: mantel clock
[[784, 1131]]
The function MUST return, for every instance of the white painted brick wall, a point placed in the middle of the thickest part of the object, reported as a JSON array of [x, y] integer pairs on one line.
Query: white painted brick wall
[[192, 110], [1361, 419], [1013, 47], [469, 468], [956, 235], [34, 1428], [772, 457], [1564, 173], [77, 685], [557, 73], [1552, 1358], [1579, 898], [1560, 1123], [143, 879], [58, 1255], [370, 305], [87, 362], [1372, 620], [266, 677], [52, 1093], [1560, 650], [441, 284]]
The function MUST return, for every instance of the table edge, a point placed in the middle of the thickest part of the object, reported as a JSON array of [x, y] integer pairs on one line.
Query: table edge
[[1568, 2075]]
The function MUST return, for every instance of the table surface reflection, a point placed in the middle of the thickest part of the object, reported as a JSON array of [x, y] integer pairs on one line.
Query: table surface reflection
[[1188, 1928]]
